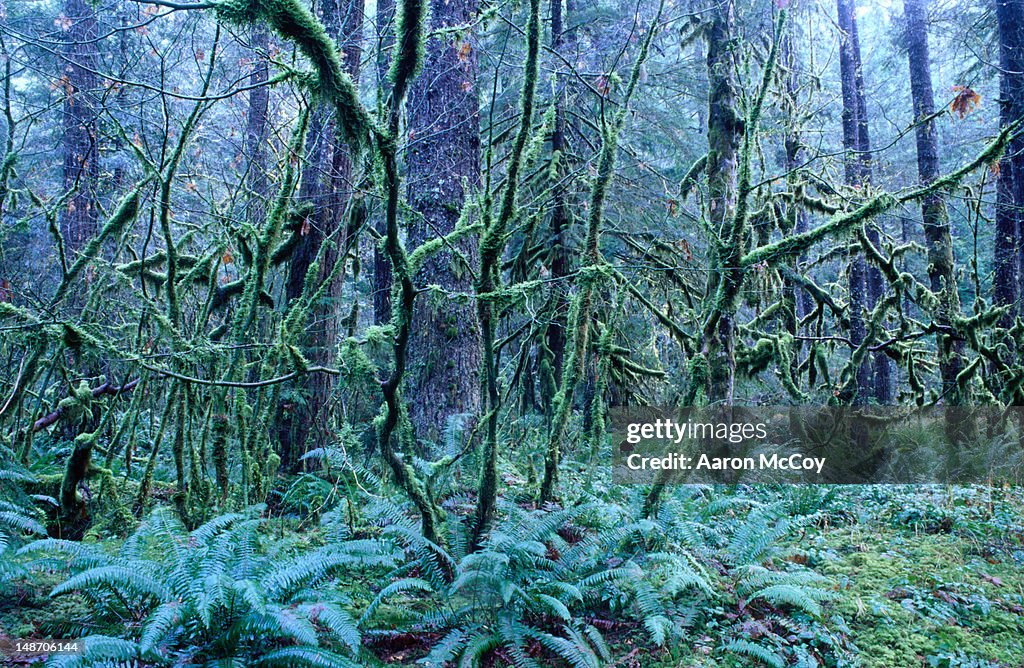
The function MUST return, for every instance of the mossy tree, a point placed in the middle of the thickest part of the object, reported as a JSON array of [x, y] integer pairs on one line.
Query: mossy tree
[[81, 214], [325, 237], [873, 376], [1010, 179], [443, 159], [935, 218]]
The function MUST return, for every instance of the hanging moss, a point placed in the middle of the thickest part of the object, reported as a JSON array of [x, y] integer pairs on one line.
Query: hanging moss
[[752, 361], [219, 452], [843, 222], [123, 216], [292, 20], [689, 180], [698, 372]]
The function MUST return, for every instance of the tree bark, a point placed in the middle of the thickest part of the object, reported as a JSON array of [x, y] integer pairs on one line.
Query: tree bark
[[874, 378], [797, 300], [1010, 182], [933, 207], [559, 258], [79, 218], [724, 129], [325, 191], [256, 129], [444, 167]]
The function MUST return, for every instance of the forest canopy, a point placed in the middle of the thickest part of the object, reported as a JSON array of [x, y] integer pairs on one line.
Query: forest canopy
[[313, 313]]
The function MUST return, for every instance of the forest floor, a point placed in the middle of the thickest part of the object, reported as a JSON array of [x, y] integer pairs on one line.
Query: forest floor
[[929, 576]]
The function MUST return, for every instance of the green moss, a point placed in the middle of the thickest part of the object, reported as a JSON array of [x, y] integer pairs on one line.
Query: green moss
[[890, 583], [410, 24]]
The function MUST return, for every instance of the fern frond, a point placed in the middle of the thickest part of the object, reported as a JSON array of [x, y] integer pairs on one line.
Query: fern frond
[[444, 652], [477, 647], [337, 621], [803, 598], [129, 582], [19, 521], [407, 584], [311, 657], [575, 655], [755, 651], [161, 622]]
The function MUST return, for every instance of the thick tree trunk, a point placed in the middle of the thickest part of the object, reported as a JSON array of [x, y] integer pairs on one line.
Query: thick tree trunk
[[724, 129], [79, 219], [444, 167], [933, 207], [874, 378], [1010, 183], [325, 190]]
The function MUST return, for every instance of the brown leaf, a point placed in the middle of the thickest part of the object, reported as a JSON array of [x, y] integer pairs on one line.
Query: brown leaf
[[965, 101]]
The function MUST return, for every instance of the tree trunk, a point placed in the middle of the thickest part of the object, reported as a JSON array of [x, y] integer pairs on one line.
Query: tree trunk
[[873, 379], [256, 129], [325, 190], [79, 218], [444, 167], [559, 257], [797, 300], [933, 207], [1010, 182], [724, 128]]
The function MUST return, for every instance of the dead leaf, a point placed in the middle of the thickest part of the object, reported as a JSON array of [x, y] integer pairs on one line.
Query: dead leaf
[[965, 101]]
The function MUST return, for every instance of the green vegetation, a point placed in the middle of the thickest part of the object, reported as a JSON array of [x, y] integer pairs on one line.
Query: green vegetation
[[314, 315]]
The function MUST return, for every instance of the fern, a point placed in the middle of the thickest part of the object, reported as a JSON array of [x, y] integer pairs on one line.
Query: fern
[[755, 651], [214, 595]]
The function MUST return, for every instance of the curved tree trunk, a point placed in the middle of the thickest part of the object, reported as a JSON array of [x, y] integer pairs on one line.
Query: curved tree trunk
[[381, 279]]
